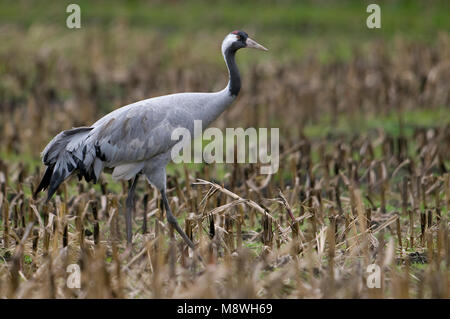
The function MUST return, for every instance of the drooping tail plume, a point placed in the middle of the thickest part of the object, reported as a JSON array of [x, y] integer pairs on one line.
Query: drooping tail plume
[[65, 154], [45, 182]]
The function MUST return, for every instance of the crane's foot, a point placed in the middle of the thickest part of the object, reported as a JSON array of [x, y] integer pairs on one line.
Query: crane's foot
[[174, 223]]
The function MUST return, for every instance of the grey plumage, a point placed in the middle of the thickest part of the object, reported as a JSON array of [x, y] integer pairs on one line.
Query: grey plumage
[[136, 138]]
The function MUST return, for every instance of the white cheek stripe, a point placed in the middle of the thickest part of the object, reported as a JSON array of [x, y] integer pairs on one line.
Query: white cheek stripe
[[228, 41]]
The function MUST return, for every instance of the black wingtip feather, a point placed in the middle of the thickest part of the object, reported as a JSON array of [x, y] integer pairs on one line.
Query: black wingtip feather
[[45, 182], [56, 180]]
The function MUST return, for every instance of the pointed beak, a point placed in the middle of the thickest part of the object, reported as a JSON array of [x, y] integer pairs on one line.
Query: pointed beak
[[255, 45]]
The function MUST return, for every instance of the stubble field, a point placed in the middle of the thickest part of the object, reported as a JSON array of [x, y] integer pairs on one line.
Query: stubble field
[[364, 167]]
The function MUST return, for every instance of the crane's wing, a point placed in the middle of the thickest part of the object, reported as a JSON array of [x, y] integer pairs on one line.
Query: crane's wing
[[134, 134], [138, 133]]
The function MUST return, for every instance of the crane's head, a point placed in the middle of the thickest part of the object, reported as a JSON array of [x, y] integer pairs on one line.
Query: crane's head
[[237, 40]]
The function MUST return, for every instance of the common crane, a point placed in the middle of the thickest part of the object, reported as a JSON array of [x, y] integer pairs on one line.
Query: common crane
[[136, 139]]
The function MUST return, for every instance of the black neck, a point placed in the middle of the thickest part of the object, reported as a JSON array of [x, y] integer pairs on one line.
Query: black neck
[[235, 79]]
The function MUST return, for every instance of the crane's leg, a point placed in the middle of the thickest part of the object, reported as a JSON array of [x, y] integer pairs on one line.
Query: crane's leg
[[130, 208], [173, 221], [156, 175]]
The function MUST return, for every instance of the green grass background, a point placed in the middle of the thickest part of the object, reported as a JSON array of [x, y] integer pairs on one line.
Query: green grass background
[[289, 26]]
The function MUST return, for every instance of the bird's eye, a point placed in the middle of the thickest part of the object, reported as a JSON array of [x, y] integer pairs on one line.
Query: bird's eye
[[239, 37]]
